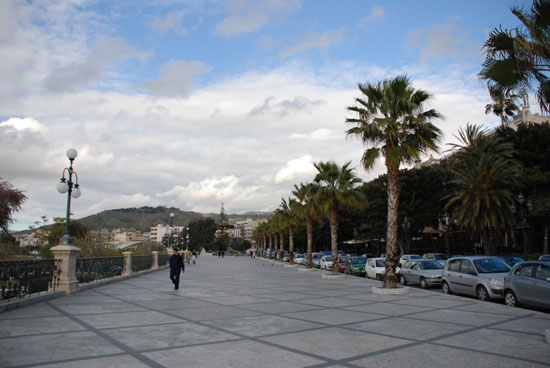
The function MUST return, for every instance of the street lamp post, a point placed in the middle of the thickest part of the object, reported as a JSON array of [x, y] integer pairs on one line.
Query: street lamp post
[[66, 185], [525, 207], [407, 227], [444, 227], [187, 237], [171, 229]]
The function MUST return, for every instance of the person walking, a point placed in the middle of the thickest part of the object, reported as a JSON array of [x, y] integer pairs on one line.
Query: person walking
[[194, 256], [188, 256], [177, 267]]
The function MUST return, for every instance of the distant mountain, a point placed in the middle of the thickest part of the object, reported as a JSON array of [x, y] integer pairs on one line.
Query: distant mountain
[[141, 219]]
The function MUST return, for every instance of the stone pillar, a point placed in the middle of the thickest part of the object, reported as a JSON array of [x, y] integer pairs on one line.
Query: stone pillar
[[67, 279], [127, 264], [155, 260]]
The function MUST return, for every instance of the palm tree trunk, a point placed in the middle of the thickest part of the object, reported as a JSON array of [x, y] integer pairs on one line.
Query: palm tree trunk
[[309, 230], [333, 219], [275, 247], [487, 246], [291, 244], [270, 247], [390, 278], [282, 247]]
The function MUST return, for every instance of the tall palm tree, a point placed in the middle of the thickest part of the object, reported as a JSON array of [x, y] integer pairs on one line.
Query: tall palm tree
[[504, 104], [288, 210], [337, 190], [305, 195], [393, 121], [485, 172], [518, 59]]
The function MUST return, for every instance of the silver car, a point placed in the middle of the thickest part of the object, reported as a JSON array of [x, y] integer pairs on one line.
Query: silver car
[[425, 272], [528, 283], [480, 276]]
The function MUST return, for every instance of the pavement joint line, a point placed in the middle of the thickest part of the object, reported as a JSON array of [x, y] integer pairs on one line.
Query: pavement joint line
[[427, 341], [488, 352], [135, 354], [246, 337], [520, 332], [42, 334], [71, 360]]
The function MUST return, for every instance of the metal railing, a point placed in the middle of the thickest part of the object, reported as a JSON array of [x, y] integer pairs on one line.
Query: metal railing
[[140, 263], [23, 278], [92, 269], [164, 259]]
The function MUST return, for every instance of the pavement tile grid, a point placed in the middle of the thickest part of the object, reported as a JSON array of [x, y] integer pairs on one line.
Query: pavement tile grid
[[242, 312]]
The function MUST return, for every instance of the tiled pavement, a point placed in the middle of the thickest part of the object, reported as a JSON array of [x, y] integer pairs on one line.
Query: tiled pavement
[[242, 312]]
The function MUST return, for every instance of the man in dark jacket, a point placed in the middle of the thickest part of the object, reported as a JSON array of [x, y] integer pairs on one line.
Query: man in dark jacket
[[177, 266]]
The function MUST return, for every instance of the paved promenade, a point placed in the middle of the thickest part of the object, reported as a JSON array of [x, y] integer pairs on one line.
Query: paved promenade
[[242, 312]]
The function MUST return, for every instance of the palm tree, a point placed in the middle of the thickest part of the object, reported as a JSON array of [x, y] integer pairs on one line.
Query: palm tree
[[485, 173], [305, 195], [337, 190], [518, 59], [289, 218], [392, 119], [504, 105]]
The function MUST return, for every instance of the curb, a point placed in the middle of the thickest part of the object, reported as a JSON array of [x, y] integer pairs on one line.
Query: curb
[[395, 291], [332, 277], [548, 336]]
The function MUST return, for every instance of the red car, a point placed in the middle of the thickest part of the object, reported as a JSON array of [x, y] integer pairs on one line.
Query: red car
[[342, 263]]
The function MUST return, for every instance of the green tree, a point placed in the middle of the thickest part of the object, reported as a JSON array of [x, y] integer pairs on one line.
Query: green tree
[[305, 195], [485, 173], [289, 217], [337, 190], [11, 200], [504, 105], [392, 119], [518, 60]]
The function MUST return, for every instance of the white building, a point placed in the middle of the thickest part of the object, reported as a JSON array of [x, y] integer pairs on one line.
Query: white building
[[158, 232]]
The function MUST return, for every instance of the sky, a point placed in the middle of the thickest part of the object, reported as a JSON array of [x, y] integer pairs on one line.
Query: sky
[[189, 104]]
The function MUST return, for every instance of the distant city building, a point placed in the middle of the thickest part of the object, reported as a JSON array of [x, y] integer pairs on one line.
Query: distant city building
[[26, 240], [158, 232]]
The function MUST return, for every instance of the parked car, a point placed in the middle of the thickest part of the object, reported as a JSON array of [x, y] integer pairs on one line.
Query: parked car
[[528, 283], [375, 268], [299, 258], [286, 257], [511, 260], [425, 272], [342, 263], [439, 257], [316, 260], [326, 263], [545, 257], [355, 266], [480, 276], [408, 257]]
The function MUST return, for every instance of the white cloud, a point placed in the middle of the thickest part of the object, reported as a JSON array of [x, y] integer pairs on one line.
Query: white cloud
[[443, 41], [319, 135], [176, 79], [376, 12], [284, 107], [105, 52], [171, 22], [294, 170], [244, 16], [22, 124], [320, 42]]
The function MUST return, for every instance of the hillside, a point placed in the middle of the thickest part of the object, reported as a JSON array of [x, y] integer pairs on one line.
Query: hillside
[[141, 219]]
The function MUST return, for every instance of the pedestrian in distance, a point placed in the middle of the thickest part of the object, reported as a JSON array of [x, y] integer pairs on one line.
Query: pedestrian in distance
[[177, 267], [188, 256], [194, 256]]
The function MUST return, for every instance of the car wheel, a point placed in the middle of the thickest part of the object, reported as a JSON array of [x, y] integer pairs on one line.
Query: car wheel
[[423, 284], [510, 298], [482, 293], [402, 280], [445, 288]]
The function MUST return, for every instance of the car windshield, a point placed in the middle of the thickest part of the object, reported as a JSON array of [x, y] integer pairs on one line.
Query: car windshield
[[415, 257], [440, 257], [328, 258], [380, 263], [544, 258], [359, 260], [430, 265], [490, 265], [342, 259], [513, 260]]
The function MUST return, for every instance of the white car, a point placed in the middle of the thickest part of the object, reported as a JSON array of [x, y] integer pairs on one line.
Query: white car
[[299, 258], [326, 262], [408, 257], [376, 268]]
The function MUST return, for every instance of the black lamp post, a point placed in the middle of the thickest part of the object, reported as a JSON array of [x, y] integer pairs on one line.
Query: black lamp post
[[444, 228], [525, 207], [407, 227], [66, 185], [171, 229]]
